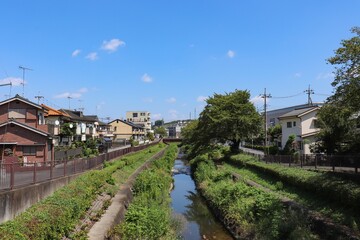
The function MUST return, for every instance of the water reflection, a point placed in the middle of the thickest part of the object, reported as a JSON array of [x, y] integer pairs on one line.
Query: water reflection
[[200, 223]]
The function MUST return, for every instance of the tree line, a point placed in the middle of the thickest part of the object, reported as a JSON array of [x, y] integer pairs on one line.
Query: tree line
[[231, 117]]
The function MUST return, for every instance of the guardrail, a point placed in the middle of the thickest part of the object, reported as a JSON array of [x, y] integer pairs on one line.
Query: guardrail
[[343, 163]]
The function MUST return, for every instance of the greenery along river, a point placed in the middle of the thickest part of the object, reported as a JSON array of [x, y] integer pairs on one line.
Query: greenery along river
[[199, 223]]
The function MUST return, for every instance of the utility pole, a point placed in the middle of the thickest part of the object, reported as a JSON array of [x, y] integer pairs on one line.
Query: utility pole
[[265, 96], [195, 113], [23, 83], [38, 98], [309, 91]]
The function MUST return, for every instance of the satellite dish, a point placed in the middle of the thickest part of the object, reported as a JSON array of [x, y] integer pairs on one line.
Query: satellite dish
[[57, 122], [71, 125]]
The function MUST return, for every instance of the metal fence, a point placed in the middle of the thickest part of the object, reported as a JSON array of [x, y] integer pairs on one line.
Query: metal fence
[[66, 154], [344, 163], [13, 175]]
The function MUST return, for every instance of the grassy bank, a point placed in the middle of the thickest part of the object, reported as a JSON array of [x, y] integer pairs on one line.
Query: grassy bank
[[332, 196], [56, 216], [251, 212], [149, 215]]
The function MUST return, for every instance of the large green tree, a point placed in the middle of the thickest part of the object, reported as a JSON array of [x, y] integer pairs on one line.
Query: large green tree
[[229, 117], [340, 115]]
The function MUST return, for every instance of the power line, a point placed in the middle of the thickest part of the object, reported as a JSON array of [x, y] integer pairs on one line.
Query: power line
[[298, 94]]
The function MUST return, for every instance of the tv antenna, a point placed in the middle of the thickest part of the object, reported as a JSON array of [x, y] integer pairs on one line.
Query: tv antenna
[[69, 101], [23, 82]]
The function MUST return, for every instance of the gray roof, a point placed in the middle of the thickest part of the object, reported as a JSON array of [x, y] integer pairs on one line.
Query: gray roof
[[18, 97], [128, 123], [298, 112]]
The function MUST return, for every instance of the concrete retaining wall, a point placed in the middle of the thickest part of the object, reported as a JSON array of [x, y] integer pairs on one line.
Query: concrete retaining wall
[[18, 200]]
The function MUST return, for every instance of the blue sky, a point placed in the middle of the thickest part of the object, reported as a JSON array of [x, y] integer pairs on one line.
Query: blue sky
[[167, 56]]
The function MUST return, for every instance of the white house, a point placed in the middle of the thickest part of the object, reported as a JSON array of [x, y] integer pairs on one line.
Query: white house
[[303, 124]]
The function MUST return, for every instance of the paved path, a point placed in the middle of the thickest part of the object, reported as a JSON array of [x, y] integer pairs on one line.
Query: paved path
[[253, 151]]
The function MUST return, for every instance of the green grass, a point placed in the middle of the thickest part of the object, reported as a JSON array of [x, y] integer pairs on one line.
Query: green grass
[[312, 189], [149, 215], [57, 215], [257, 214]]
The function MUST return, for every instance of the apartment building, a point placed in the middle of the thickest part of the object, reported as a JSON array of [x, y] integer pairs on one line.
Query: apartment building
[[141, 118]]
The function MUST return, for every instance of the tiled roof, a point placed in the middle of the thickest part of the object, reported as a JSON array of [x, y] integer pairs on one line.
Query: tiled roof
[[19, 98], [128, 123], [299, 112], [54, 112]]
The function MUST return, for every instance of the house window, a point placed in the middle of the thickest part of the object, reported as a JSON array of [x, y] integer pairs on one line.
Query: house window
[[288, 125], [294, 124], [29, 150], [135, 115], [142, 114], [115, 128], [17, 113], [272, 121], [41, 118]]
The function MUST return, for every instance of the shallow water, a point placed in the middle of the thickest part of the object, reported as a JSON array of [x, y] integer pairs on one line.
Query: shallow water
[[186, 201]]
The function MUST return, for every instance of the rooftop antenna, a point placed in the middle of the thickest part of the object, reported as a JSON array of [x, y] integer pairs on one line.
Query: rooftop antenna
[[69, 101], [81, 108], [39, 97], [23, 82]]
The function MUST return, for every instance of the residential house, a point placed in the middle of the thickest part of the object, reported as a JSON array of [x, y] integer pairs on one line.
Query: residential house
[[55, 119], [124, 130], [85, 126], [141, 118], [272, 116], [303, 124], [24, 134]]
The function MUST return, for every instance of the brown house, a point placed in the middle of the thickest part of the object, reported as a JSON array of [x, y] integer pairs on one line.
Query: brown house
[[23, 132]]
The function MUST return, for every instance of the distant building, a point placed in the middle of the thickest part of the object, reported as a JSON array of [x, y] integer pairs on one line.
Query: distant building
[[124, 130], [139, 118], [174, 128]]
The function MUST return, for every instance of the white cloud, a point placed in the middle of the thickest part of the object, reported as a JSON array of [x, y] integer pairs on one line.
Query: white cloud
[[156, 116], [231, 54], [146, 78], [201, 98], [14, 81], [325, 76], [173, 114], [148, 100], [75, 53], [83, 90], [171, 100], [257, 100], [92, 56], [112, 45], [77, 94], [297, 75]]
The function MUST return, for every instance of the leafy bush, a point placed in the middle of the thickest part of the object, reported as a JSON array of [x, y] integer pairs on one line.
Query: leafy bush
[[258, 214], [324, 184]]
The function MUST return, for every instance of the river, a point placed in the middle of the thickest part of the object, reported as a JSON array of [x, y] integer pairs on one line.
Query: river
[[199, 222]]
